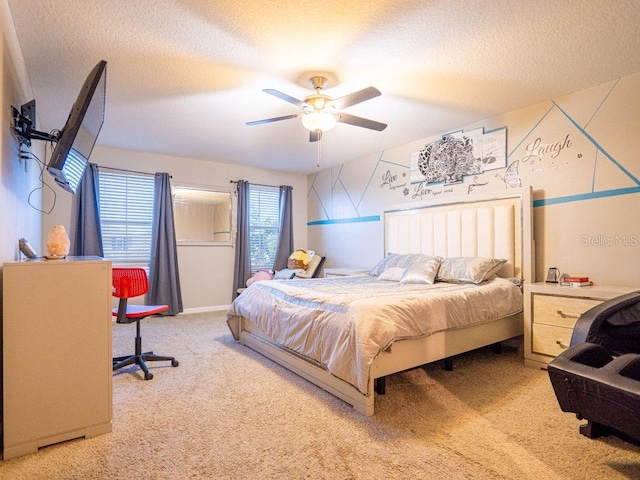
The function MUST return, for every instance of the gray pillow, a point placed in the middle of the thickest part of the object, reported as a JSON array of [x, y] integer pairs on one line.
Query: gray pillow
[[469, 269], [404, 260], [381, 265]]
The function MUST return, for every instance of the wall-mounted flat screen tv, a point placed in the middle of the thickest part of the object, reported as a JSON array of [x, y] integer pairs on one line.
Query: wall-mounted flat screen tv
[[78, 136]]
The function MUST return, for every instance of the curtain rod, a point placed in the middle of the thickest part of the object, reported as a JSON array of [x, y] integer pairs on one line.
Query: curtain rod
[[258, 184], [131, 171]]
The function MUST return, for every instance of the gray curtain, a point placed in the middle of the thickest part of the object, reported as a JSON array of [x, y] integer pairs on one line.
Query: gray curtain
[[86, 235], [285, 239], [242, 268], [164, 281]]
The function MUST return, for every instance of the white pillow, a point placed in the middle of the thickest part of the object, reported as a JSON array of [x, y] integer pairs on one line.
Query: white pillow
[[422, 271], [392, 274]]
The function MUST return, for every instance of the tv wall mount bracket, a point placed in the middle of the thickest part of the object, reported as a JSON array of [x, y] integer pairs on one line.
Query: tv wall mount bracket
[[23, 122]]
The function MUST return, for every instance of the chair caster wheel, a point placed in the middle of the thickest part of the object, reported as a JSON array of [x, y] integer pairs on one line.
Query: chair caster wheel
[[148, 376], [175, 363]]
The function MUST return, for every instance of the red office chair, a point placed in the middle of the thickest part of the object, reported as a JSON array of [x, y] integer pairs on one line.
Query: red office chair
[[128, 283]]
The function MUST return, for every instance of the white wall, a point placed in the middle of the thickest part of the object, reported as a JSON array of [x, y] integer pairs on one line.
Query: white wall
[[586, 196], [19, 183], [206, 272]]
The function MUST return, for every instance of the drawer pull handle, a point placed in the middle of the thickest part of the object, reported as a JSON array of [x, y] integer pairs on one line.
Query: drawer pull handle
[[562, 344], [568, 314]]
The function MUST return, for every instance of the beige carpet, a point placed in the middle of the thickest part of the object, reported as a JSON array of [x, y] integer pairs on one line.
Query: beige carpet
[[227, 412]]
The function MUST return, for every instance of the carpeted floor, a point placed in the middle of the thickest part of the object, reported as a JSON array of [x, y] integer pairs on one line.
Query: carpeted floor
[[228, 413]]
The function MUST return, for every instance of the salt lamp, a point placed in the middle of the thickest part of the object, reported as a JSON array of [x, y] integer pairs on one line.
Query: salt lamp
[[58, 242]]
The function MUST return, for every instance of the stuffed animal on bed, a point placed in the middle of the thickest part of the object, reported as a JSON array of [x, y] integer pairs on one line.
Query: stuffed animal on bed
[[299, 260], [260, 276]]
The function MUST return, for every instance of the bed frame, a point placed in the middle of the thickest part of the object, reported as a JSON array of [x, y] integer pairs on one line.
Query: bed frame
[[489, 225]]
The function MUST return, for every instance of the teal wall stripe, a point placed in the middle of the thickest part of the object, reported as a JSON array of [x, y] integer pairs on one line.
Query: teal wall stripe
[[373, 172], [355, 207], [373, 218], [598, 146], [394, 163], [529, 133], [585, 196], [315, 192], [335, 182], [601, 104], [595, 166]]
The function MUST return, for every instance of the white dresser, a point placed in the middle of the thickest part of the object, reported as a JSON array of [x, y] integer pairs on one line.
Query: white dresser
[[57, 367], [550, 313]]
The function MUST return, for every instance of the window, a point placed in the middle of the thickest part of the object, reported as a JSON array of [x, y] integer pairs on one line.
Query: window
[[203, 216], [264, 219], [126, 214]]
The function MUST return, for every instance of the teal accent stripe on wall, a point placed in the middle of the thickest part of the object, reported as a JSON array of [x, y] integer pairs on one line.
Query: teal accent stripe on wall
[[375, 167], [373, 218], [597, 145], [602, 103], [585, 196], [530, 132]]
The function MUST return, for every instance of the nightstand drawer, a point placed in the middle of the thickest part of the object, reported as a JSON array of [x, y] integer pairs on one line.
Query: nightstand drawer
[[551, 312], [560, 311], [550, 339]]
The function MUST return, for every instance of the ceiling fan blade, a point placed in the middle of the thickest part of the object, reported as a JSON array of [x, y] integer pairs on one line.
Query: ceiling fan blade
[[314, 136], [269, 120], [360, 122], [285, 97], [355, 97]]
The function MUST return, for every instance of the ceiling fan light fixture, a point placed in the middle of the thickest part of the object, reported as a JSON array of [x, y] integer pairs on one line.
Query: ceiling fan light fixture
[[319, 121]]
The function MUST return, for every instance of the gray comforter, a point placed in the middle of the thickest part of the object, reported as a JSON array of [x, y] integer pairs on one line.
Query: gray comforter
[[343, 323]]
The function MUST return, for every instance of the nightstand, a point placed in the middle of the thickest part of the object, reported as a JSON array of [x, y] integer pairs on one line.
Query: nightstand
[[344, 271], [550, 313]]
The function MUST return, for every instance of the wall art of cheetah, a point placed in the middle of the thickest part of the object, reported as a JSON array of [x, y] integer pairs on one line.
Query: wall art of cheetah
[[448, 160]]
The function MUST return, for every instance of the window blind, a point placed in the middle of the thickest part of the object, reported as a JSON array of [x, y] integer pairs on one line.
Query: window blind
[[264, 220], [126, 214]]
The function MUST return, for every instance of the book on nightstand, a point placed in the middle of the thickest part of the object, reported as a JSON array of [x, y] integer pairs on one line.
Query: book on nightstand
[[576, 282], [575, 279]]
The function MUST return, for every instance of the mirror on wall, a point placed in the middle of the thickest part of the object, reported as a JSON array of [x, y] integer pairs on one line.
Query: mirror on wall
[[203, 215]]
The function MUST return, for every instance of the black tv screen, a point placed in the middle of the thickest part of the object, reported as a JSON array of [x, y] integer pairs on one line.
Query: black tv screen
[[78, 136]]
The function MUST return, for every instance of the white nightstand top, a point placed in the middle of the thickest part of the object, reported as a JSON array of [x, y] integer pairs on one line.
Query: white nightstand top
[[602, 291]]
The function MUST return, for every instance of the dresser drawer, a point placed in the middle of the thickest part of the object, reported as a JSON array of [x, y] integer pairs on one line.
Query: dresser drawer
[[550, 315], [550, 339], [560, 311]]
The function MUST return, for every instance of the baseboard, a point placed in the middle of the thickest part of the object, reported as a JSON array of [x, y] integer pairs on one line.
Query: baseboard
[[214, 308]]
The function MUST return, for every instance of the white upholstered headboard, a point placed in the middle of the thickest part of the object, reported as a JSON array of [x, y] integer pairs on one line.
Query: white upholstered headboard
[[497, 225]]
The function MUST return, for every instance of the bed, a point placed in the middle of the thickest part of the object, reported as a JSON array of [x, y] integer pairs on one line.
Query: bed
[[344, 334]]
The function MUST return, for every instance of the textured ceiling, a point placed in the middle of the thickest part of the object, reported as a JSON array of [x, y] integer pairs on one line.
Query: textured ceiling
[[184, 76]]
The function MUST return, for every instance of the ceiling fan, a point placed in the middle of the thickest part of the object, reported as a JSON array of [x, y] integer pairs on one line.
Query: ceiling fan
[[321, 112]]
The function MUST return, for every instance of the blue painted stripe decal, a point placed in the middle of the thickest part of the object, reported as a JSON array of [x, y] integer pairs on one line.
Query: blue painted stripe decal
[[585, 196], [598, 146], [394, 163], [373, 172], [372, 218], [529, 133], [601, 103]]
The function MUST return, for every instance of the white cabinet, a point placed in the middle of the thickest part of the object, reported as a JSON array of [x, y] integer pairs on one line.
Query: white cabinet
[[550, 313], [57, 367]]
